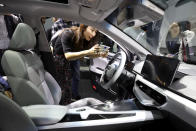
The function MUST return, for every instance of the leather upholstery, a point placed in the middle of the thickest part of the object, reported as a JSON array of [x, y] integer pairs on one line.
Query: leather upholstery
[[23, 38], [13, 118], [30, 83]]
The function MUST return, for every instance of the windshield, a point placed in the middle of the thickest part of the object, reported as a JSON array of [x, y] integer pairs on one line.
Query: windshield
[[142, 27], [147, 35], [177, 38]]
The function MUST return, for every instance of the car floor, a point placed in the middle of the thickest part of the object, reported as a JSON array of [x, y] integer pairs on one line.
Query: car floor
[[85, 88]]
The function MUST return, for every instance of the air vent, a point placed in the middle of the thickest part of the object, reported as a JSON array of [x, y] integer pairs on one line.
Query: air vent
[[58, 1]]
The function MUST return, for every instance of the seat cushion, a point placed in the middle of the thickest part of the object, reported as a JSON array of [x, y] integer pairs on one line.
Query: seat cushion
[[13, 118], [46, 114], [26, 74], [23, 38], [25, 71]]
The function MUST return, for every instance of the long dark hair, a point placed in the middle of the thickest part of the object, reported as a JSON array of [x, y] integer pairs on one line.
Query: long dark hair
[[78, 37], [79, 32]]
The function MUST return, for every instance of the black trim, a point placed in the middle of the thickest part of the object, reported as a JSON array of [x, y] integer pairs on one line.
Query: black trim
[[99, 69], [58, 1]]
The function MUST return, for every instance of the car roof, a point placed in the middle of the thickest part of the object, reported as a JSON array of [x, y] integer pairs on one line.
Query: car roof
[[94, 10], [82, 11]]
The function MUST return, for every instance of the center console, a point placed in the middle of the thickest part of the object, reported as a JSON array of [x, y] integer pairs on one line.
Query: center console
[[108, 116]]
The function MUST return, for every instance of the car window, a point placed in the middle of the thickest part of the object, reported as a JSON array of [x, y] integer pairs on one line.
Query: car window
[[180, 35], [142, 27], [100, 38], [181, 41], [147, 35]]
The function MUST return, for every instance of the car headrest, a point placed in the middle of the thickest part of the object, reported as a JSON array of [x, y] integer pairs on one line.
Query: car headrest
[[23, 38]]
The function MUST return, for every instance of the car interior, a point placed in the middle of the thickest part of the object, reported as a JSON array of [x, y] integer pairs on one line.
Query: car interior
[[141, 85]]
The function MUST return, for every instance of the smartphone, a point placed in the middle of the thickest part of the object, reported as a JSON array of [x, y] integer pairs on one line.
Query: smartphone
[[104, 48]]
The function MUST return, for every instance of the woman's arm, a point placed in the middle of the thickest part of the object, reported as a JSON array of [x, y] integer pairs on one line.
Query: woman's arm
[[94, 51], [76, 55]]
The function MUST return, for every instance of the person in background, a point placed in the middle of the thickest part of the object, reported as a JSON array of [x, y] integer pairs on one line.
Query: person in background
[[54, 19], [186, 42], [60, 24], [173, 41], [71, 45], [8, 24], [186, 51], [179, 39]]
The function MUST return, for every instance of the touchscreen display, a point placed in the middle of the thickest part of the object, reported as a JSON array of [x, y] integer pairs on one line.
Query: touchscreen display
[[160, 70]]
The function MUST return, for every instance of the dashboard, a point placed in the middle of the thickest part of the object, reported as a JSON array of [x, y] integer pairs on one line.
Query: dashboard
[[166, 99], [150, 94]]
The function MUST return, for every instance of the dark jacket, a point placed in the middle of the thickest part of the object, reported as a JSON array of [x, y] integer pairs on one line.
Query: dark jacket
[[10, 25]]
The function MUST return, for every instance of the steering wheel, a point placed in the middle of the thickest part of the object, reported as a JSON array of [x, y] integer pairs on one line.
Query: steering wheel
[[113, 70]]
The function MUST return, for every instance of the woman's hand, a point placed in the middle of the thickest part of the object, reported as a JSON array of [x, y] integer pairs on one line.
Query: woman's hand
[[104, 54], [94, 51]]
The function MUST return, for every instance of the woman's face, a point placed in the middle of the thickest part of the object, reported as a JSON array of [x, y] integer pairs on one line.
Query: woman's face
[[174, 30], [89, 33]]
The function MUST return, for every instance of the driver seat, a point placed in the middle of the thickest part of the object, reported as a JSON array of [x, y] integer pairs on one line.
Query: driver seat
[[29, 82]]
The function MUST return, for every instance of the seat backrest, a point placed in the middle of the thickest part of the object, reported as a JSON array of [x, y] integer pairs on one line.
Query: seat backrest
[[29, 82], [12, 117]]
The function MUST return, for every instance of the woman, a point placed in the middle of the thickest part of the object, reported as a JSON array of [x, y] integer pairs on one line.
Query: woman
[[172, 40], [70, 46]]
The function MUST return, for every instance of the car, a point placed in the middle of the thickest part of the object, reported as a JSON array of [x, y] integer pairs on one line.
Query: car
[[147, 81]]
